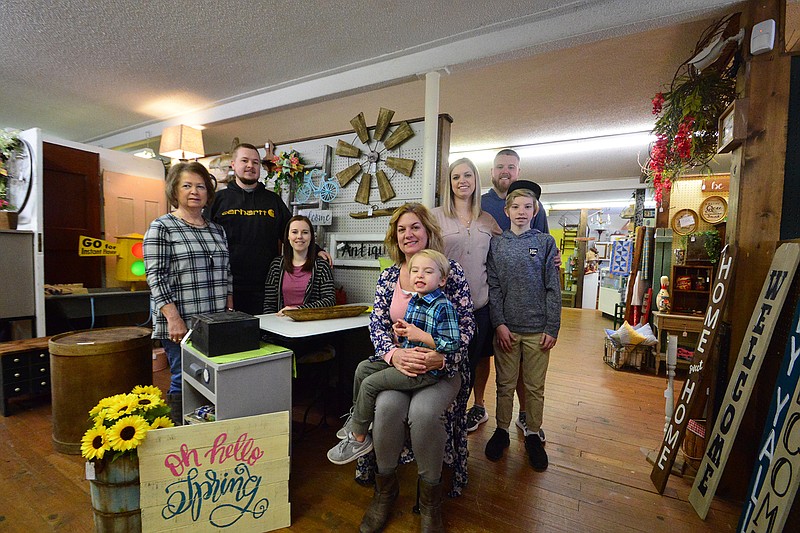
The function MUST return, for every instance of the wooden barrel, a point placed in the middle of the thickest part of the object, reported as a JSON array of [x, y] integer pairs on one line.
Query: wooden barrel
[[115, 496], [89, 365]]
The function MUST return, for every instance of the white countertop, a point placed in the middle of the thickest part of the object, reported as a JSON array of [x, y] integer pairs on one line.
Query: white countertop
[[286, 327]]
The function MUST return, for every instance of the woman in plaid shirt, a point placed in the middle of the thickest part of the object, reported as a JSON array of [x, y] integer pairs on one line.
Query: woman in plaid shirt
[[186, 261]]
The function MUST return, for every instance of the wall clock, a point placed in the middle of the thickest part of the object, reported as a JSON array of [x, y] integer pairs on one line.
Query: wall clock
[[374, 156]]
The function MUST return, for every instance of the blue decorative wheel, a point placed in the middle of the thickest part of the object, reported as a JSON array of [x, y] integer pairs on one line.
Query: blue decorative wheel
[[303, 192], [329, 190]]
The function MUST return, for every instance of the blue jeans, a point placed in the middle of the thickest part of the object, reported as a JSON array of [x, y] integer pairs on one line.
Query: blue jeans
[[173, 351]]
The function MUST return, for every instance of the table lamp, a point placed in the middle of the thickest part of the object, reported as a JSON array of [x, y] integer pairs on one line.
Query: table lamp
[[182, 142]]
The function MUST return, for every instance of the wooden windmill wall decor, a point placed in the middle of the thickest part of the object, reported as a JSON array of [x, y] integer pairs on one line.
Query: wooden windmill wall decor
[[373, 159]]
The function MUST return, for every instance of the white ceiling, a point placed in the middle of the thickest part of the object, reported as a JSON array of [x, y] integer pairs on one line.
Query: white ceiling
[[518, 72]]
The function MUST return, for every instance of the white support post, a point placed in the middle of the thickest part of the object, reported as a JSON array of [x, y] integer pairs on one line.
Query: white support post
[[672, 363], [431, 137]]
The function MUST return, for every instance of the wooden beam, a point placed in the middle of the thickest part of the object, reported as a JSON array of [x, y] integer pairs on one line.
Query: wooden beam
[[755, 208]]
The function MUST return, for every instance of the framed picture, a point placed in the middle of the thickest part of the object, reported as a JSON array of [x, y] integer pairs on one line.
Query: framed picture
[[357, 249], [732, 126], [602, 250]]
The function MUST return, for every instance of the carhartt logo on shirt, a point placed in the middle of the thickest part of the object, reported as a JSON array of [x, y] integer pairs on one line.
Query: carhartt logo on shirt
[[249, 212], [533, 251]]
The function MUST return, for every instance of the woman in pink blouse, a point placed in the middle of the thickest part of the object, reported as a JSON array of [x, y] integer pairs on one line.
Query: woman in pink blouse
[[298, 279]]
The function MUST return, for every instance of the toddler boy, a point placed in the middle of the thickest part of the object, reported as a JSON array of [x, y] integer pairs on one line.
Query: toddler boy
[[430, 321]]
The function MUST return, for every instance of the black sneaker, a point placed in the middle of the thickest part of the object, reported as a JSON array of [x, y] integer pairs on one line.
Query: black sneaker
[[497, 444], [475, 417], [536, 454]]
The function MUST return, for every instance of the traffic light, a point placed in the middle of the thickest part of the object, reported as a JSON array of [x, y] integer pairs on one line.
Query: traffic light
[[130, 259]]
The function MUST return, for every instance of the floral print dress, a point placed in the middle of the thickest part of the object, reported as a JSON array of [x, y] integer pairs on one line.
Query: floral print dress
[[380, 328]]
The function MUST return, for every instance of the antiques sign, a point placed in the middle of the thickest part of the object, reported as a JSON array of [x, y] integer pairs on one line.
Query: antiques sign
[[776, 474], [230, 474], [751, 355], [353, 249], [673, 436]]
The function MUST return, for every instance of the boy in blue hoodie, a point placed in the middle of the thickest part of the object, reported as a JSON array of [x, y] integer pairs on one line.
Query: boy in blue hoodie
[[525, 308]]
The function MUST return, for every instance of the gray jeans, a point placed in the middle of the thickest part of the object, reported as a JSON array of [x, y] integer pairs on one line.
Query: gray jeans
[[424, 410], [372, 378]]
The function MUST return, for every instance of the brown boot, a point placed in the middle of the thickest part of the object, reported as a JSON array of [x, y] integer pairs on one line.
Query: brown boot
[[430, 507], [386, 491]]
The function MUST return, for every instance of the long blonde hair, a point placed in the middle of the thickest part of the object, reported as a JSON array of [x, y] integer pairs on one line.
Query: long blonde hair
[[448, 198], [435, 241]]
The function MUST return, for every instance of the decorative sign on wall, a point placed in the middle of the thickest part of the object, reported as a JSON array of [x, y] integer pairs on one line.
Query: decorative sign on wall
[[748, 364], [89, 246], [230, 475], [354, 249], [318, 217], [716, 184]]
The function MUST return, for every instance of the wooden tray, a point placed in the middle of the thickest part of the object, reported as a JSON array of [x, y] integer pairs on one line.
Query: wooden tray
[[325, 313]]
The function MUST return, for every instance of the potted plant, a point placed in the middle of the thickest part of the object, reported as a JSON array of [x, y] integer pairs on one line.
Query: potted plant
[[9, 144], [119, 424]]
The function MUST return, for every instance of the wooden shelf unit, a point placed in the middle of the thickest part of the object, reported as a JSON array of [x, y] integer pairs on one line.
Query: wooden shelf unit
[[692, 301]]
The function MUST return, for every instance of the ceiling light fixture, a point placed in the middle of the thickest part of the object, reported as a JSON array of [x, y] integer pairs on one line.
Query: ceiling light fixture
[[147, 153], [639, 139], [182, 142]]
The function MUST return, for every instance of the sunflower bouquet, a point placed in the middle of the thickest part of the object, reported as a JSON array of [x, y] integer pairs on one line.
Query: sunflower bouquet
[[121, 422]]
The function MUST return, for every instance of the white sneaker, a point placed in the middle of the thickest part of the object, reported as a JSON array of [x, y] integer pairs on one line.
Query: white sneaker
[[349, 449]]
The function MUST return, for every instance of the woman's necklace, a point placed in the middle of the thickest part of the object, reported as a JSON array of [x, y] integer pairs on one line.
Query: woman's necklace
[[202, 224], [466, 221]]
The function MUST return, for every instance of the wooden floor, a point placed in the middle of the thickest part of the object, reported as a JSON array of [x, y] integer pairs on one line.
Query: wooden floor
[[597, 421]]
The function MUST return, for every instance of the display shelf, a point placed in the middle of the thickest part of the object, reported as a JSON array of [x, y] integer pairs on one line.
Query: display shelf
[[690, 288]]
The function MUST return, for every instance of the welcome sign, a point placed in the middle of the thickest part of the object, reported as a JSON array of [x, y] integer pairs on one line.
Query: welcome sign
[[748, 364], [776, 474], [230, 475]]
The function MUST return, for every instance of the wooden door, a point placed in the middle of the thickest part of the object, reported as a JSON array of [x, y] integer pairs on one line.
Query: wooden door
[[71, 208], [131, 203]]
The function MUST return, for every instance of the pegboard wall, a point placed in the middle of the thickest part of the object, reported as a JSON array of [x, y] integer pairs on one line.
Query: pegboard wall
[[359, 282], [687, 193]]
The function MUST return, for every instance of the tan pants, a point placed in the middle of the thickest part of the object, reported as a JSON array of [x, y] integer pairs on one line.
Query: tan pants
[[526, 348]]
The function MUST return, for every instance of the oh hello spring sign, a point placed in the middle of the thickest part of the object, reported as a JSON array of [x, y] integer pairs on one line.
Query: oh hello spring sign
[[230, 475]]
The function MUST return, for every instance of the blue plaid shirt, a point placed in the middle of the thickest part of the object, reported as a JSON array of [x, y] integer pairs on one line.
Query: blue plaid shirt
[[434, 314]]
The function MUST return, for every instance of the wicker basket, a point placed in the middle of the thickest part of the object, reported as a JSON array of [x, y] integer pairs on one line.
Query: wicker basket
[[618, 356]]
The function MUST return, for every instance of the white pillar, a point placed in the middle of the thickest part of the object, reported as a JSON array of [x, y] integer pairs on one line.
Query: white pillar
[[429, 148]]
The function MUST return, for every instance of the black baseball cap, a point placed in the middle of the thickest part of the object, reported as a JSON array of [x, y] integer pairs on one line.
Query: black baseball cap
[[525, 184]]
